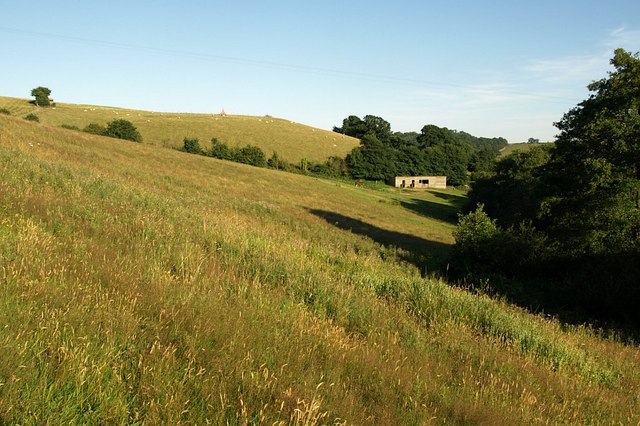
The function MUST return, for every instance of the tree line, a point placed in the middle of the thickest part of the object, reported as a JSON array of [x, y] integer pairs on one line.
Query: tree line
[[558, 226], [384, 154]]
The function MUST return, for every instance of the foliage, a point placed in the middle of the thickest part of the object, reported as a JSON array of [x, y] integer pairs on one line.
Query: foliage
[[5, 111], [582, 198], [334, 167], [474, 230], [220, 150], [95, 129], [249, 154], [32, 117], [373, 160], [192, 146], [594, 205], [123, 129], [382, 155], [42, 96], [275, 162], [512, 193], [70, 127]]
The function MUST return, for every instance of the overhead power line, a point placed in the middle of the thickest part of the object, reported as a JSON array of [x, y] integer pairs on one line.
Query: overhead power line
[[279, 65]]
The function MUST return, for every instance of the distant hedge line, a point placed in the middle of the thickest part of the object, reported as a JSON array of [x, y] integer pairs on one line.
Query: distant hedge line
[[334, 167]]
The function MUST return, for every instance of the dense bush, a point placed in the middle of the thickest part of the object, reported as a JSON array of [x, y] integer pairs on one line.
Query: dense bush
[[220, 150], [32, 117], [5, 111], [123, 129], [192, 146], [251, 155], [70, 127], [95, 129]]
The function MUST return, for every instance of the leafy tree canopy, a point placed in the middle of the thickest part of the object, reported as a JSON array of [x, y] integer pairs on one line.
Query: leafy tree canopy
[[582, 198], [123, 129], [384, 154], [42, 96]]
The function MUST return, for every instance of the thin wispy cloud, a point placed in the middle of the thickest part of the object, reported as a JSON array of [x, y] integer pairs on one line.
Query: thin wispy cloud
[[568, 69], [625, 38], [584, 68]]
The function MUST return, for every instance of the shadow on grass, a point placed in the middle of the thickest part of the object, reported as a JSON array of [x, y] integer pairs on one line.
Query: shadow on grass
[[454, 199], [433, 210], [428, 256]]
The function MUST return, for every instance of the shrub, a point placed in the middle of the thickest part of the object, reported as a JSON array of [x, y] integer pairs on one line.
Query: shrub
[[474, 230], [123, 129], [32, 117], [192, 146], [275, 162], [69, 127], [5, 111], [95, 129], [251, 155], [220, 150]]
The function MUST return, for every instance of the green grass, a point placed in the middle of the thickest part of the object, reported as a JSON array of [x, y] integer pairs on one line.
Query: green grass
[[513, 147], [143, 285], [292, 141]]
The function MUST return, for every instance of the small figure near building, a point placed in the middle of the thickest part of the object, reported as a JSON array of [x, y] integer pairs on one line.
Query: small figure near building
[[421, 182]]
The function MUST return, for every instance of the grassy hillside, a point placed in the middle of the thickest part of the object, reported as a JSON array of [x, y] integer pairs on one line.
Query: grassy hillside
[[292, 141], [144, 285], [513, 147]]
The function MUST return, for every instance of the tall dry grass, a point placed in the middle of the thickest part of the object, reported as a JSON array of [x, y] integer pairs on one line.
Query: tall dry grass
[[142, 285]]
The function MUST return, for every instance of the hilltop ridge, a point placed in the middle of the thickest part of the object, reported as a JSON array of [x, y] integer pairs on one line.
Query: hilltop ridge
[[292, 141]]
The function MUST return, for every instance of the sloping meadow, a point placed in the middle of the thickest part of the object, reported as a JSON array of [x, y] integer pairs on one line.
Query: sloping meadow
[[292, 141], [143, 285]]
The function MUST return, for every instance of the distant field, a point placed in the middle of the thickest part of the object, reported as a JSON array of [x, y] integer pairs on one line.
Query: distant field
[[142, 285], [292, 141], [513, 147]]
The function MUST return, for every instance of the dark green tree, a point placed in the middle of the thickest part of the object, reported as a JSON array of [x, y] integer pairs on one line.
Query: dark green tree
[[352, 126], [572, 212], [192, 146], [355, 127], [378, 127], [594, 206], [42, 96], [448, 154], [372, 160], [123, 129], [220, 150], [514, 191], [251, 155]]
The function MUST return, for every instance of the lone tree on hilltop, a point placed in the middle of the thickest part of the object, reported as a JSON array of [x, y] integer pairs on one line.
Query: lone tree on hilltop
[[42, 96]]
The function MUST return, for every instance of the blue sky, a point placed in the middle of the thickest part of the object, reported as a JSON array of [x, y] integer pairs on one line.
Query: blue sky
[[499, 68]]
